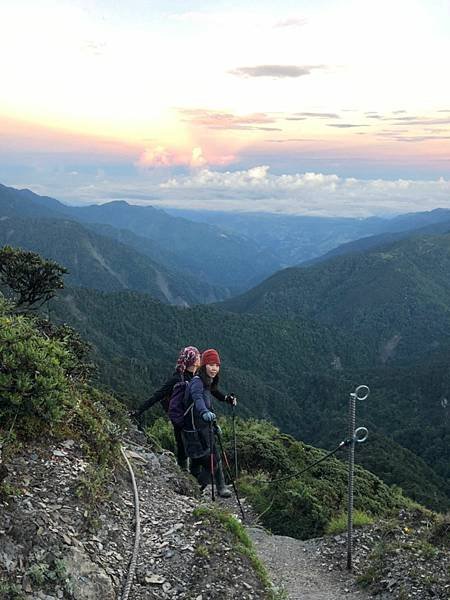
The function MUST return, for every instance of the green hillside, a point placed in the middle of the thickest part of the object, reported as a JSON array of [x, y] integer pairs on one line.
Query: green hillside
[[283, 370], [47, 395], [140, 337], [96, 261], [397, 298]]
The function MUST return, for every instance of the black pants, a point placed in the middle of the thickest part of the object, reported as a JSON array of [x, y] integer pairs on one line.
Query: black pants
[[201, 468], [181, 452]]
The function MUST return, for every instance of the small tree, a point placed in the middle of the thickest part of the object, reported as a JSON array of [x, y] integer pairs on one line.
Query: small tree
[[28, 279]]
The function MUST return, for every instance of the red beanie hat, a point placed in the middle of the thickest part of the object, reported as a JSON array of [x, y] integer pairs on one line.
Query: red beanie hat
[[210, 357]]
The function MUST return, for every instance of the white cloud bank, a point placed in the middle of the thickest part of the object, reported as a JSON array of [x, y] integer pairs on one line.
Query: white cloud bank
[[252, 190], [257, 189]]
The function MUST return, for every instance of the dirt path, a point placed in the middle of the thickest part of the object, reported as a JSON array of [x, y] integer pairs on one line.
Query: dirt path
[[296, 566]]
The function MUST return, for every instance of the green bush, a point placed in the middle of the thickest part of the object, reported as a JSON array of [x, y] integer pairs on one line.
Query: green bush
[[32, 370], [161, 434], [304, 505], [339, 524], [42, 387]]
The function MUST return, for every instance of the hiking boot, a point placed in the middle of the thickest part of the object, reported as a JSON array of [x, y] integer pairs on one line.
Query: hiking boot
[[222, 489], [224, 492]]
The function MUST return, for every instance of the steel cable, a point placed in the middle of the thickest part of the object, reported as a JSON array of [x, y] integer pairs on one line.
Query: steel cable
[[137, 535]]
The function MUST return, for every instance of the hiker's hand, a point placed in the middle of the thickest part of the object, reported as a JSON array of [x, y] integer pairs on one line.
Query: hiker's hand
[[208, 416], [135, 415], [231, 399]]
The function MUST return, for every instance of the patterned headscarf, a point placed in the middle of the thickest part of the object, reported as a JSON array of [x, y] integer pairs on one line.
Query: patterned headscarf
[[188, 357]]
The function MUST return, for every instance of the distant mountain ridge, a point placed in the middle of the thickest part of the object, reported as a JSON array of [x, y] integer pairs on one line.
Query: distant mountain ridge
[[396, 297], [226, 260], [98, 262], [385, 239], [296, 239]]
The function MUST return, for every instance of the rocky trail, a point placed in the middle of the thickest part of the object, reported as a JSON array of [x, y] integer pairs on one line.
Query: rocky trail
[[52, 546], [299, 568]]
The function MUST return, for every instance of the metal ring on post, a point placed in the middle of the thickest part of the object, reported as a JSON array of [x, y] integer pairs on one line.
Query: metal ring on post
[[361, 393], [364, 432]]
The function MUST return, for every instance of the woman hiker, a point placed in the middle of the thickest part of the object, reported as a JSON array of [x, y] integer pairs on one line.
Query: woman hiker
[[187, 364], [199, 424]]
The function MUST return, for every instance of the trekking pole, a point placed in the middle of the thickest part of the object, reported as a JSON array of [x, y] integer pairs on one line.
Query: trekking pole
[[228, 469], [236, 470], [361, 393], [211, 460]]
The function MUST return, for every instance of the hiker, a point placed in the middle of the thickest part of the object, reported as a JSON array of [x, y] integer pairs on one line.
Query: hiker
[[199, 426], [187, 364]]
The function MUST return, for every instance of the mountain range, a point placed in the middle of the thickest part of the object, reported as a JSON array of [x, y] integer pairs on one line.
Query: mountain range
[[293, 346], [396, 298], [221, 259]]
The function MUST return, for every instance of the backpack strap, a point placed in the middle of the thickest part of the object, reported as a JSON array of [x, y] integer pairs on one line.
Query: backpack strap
[[191, 406]]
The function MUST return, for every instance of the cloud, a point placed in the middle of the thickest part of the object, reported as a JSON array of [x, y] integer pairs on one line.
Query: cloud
[[93, 48], [197, 158], [414, 138], [252, 190], [420, 121], [319, 115], [290, 140], [222, 120], [159, 156], [345, 125], [163, 157], [275, 71], [291, 22], [257, 190]]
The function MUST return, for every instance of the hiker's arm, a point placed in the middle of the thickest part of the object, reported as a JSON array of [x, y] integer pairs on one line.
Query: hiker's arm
[[228, 398], [218, 395], [164, 391], [196, 390]]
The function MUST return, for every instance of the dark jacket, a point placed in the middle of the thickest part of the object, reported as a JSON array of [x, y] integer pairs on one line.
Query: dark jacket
[[165, 391], [202, 397]]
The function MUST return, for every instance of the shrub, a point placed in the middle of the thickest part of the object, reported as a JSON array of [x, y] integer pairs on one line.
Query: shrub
[[339, 524], [32, 370]]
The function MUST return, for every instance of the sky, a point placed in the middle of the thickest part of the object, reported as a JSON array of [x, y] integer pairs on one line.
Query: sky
[[324, 107]]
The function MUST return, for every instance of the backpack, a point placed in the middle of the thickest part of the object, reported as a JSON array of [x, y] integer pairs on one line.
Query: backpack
[[178, 402]]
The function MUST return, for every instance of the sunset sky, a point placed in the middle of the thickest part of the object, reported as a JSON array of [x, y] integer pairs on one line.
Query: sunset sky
[[329, 107]]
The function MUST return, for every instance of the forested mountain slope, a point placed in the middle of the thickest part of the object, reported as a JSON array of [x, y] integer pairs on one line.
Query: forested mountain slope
[[385, 239], [291, 372], [96, 261], [397, 298]]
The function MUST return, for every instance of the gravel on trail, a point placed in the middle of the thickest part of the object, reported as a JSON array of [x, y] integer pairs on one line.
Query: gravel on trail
[[298, 567]]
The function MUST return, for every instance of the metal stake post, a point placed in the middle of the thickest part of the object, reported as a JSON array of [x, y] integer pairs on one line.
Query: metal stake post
[[360, 393]]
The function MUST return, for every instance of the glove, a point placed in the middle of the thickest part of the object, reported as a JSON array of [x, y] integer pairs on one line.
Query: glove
[[136, 418], [208, 416], [231, 399], [135, 415]]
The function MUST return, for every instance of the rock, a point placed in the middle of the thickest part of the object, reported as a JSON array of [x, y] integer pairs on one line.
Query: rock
[[154, 579], [89, 581]]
